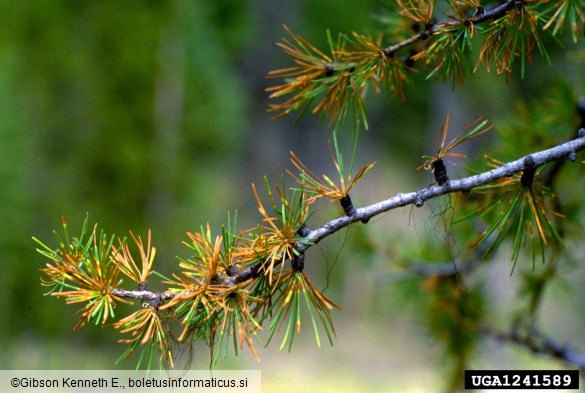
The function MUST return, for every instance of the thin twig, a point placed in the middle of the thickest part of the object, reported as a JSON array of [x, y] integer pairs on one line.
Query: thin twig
[[495, 13], [143, 295], [417, 198], [538, 342]]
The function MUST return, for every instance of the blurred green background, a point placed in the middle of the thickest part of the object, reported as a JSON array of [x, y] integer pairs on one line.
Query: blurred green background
[[148, 114]]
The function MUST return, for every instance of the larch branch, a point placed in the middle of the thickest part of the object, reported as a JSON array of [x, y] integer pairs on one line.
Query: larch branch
[[537, 342], [495, 13], [312, 237], [567, 149]]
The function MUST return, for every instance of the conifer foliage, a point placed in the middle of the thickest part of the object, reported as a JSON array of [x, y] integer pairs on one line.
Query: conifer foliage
[[242, 288]]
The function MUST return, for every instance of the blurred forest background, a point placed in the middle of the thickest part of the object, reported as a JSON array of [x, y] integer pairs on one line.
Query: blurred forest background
[[148, 114]]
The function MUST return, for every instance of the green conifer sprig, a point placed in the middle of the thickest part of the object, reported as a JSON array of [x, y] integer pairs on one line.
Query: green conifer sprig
[[563, 12], [517, 206], [506, 33], [82, 271]]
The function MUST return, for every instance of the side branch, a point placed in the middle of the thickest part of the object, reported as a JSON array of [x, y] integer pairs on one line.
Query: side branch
[[494, 13], [537, 342], [339, 79], [465, 184]]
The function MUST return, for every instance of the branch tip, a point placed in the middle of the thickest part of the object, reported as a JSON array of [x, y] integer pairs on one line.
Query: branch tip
[[387, 52]]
